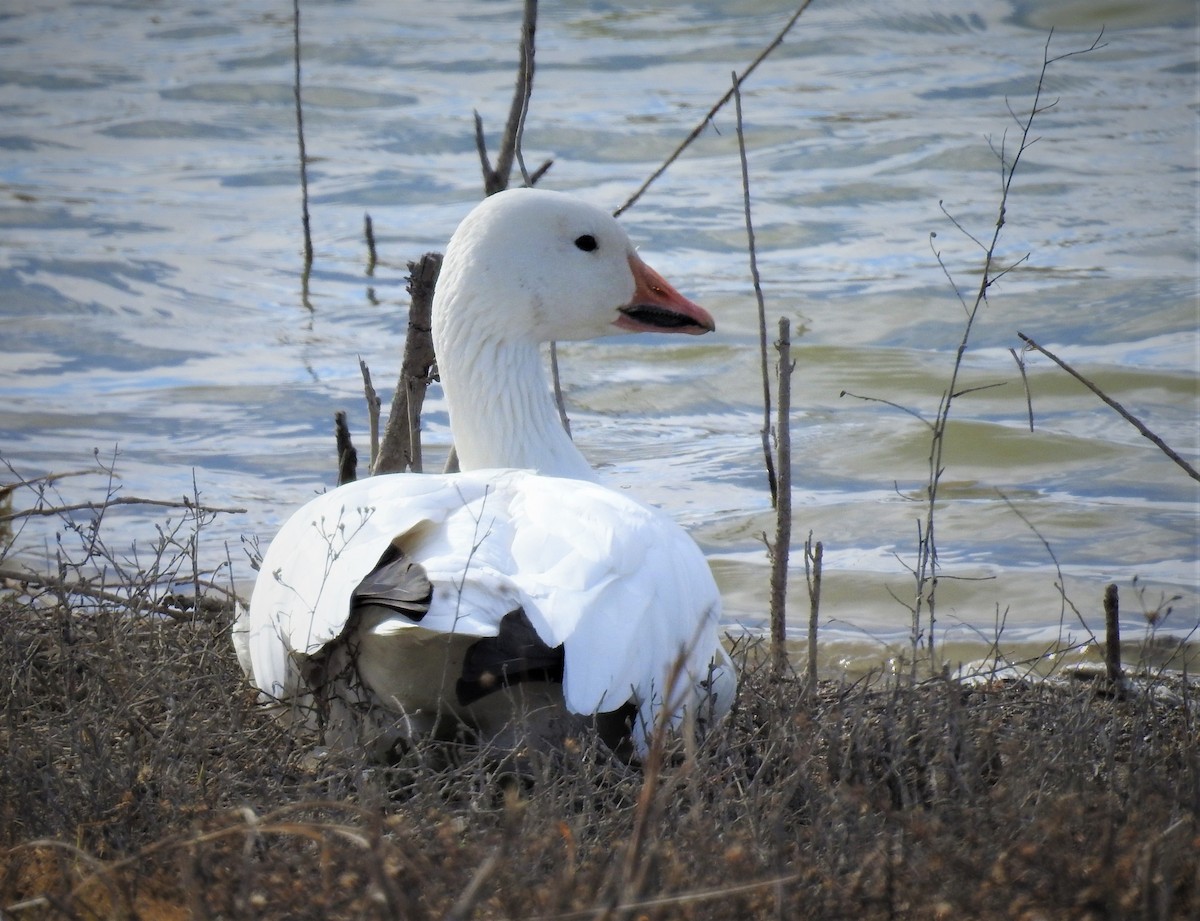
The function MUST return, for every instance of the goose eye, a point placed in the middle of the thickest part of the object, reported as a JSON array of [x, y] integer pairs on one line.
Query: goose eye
[[587, 243]]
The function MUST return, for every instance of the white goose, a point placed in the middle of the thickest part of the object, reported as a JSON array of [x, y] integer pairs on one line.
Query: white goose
[[519, 595]]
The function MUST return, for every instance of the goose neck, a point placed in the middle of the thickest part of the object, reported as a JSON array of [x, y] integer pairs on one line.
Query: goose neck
[[502, 413]]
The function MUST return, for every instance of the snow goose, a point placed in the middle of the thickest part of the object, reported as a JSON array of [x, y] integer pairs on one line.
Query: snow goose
[[519, 596]]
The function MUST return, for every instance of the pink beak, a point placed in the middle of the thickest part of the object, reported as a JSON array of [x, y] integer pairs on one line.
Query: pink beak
[[656, 307]]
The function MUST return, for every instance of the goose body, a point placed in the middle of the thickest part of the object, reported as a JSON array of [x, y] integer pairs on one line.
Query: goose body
[[519, 596]]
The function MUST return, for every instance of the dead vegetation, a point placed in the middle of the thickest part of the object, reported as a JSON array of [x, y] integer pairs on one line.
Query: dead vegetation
[[142, 780]]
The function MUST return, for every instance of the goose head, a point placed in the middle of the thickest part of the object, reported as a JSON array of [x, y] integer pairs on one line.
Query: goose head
[[544, 266], [528, 266]]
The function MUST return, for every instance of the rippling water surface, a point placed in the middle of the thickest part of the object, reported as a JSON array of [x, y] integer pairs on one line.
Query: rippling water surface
[[151, 298]]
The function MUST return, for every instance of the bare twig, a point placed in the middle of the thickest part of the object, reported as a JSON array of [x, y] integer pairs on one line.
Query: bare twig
[[758, 295], [892, 403], [1121, 410], [703, 123]]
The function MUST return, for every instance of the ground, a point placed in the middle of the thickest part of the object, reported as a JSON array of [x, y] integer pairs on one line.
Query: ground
[[142, 779]]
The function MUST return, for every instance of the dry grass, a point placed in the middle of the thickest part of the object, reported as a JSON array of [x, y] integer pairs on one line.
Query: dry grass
[[141, 780]]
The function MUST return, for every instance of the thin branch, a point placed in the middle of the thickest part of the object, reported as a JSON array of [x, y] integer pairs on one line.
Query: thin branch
[[979, 387], [373, 404], [696, 132], [783, 509], [184, 604], [966, 233], [937, 254], [683, 898], [1008, 268], [758, 296], [47, 511], [1061, 584], [905, 409], [1020, 360], [1121, 410]]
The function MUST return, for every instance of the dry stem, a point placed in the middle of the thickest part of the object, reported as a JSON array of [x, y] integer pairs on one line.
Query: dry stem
[[308, 247], [758, 296], [720, 103], [783, 511], [400, 448]]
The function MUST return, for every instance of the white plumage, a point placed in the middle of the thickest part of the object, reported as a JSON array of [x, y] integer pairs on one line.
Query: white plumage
[[519, 593]]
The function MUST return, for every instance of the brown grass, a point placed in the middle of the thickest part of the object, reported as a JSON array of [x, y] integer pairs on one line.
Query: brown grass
[[140, 779]]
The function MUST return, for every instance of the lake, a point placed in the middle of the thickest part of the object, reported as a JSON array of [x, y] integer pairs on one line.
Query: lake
[[153, 308]]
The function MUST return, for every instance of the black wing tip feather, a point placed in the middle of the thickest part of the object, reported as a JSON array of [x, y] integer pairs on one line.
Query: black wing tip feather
[[515, 654], [396, 584]]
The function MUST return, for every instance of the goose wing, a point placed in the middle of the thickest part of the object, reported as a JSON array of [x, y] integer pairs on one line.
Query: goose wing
[[620, 587]]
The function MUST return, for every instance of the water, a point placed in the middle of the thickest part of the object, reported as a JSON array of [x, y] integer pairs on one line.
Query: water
[[152, 305]]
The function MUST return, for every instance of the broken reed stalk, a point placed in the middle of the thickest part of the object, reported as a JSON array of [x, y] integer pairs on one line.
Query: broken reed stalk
[[1121, 410], [758, 296], [308, 247], [783, 508], [720, 103], [346, 452], [1112, 633], [400, 447], [372, 253], [109, 502], [373, 404]]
